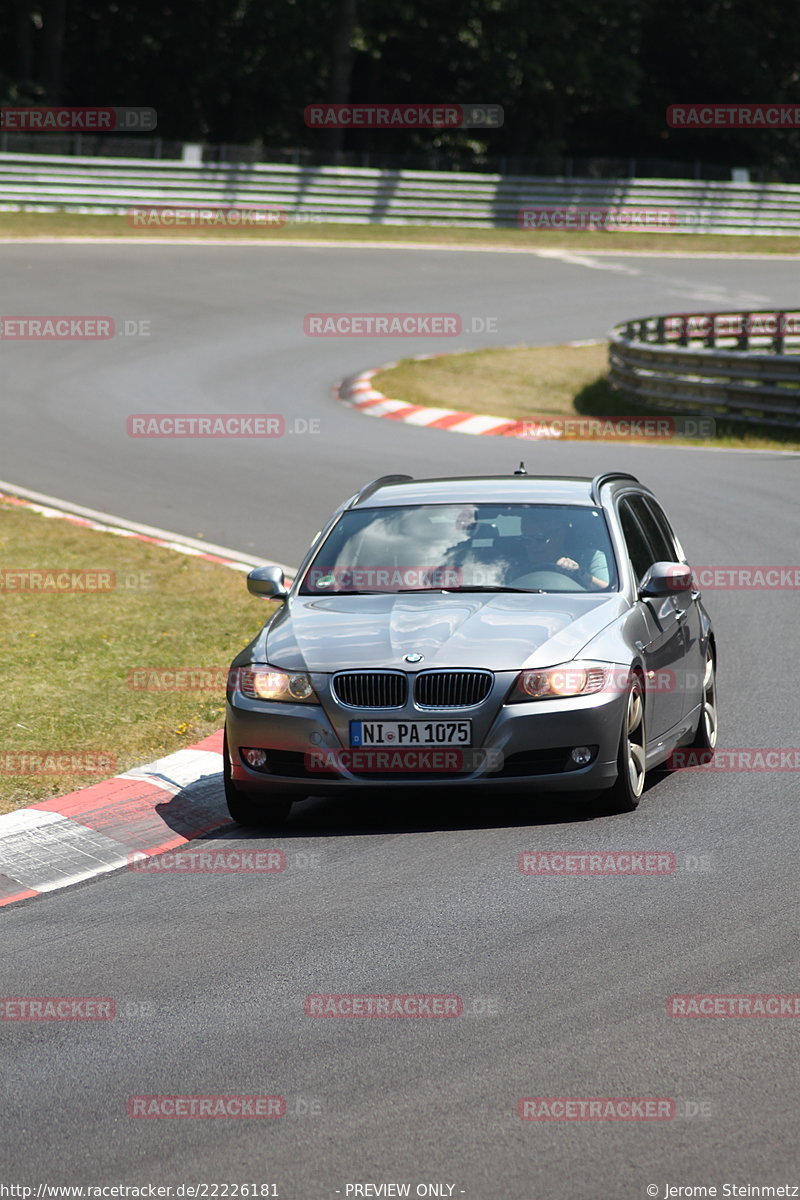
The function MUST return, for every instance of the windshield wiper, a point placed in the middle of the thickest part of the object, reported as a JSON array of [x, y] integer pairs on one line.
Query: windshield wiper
[[493, 587], [498, 587]]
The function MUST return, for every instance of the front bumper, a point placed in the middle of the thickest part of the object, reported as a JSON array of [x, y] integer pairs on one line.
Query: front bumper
[[527, 745]]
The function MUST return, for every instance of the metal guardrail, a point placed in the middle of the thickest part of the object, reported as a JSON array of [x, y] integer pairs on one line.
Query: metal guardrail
[[742, 366], [450, 158], [366, 196]]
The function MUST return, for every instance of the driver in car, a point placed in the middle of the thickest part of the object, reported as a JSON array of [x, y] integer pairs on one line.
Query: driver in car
[[543, 537]]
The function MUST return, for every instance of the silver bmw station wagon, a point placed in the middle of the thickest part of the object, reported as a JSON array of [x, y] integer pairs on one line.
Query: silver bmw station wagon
[[534, 633]]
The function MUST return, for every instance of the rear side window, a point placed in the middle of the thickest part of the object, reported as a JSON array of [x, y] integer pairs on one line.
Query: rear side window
[[660, 545], [639, 552], [660, 518]]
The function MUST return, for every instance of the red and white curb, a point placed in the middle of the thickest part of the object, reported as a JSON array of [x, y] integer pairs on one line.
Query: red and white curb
[[357, 392], [143, 812], [69, 839]]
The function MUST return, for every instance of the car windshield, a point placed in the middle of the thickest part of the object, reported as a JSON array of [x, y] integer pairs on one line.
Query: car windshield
[[465, 547]]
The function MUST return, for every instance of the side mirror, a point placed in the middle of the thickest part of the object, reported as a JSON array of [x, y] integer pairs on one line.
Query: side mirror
[[666, 578], [267, 582]]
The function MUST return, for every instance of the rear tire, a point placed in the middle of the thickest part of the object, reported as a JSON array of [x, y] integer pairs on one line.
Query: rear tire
[[626, 792], [252, 811]]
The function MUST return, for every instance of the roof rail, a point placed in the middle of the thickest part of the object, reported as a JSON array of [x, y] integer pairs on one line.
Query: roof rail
[[608, 477], [376, 485]]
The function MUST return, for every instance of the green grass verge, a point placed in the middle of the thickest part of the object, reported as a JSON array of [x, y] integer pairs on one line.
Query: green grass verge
[[544, 383], [66, 224], [68, 657]]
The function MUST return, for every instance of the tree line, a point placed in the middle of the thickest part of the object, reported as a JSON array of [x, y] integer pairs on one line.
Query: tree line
[[575, 77]]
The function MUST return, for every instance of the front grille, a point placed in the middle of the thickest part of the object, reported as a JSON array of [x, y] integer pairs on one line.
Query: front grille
[[452, 689], [370, 689]]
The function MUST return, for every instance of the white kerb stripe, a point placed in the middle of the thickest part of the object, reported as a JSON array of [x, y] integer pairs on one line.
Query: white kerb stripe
[[178, 770], [26, 819], [482, 424], [388, 406], [428, 415]]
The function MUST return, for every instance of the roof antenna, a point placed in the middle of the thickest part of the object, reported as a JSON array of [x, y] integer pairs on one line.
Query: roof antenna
[[521, 469]]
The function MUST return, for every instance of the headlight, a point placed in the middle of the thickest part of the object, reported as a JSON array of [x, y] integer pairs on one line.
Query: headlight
[[552, 683], [265, 683]]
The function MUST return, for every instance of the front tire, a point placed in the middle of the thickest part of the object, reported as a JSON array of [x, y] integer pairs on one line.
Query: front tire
[[626, 792], [705, 737], [252, 812]]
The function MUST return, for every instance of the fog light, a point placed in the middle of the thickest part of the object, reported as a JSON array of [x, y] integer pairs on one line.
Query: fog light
[[581, 755], [255, 758]]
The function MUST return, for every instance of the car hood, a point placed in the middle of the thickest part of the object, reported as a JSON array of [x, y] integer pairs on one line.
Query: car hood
[[502, 631]]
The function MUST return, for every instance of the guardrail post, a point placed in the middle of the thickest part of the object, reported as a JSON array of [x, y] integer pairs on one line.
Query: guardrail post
[[660, 327], [780, 329], [683, 332], [711, 336], [744, 336]]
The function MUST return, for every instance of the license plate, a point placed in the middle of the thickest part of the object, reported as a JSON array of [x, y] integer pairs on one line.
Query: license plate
[[411, 733]]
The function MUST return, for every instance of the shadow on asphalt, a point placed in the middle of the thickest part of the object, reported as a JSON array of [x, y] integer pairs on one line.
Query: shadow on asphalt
[[199, 811]]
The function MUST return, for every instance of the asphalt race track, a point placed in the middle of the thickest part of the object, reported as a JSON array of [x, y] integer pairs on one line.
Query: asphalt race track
[[564, 981]]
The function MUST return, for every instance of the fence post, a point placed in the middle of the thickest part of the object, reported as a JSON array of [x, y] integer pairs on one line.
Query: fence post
[[744, 335], [711, 336], [683, 332], [780, 329]]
